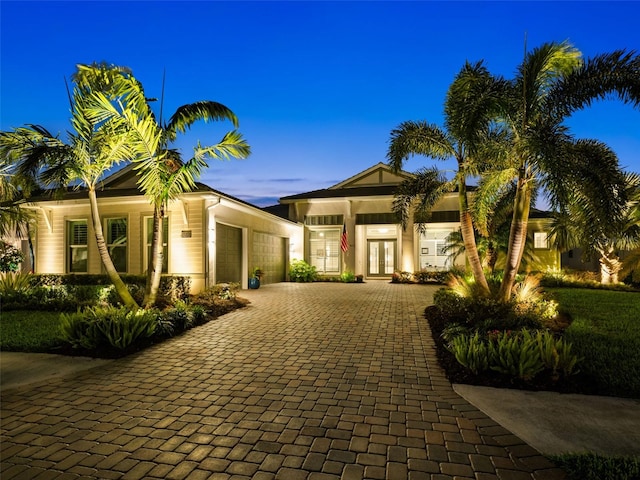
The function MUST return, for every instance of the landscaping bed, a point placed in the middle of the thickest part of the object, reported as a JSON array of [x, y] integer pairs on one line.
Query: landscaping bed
[[604, 332]]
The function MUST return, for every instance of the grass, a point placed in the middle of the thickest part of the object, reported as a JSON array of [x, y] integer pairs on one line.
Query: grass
[[590, 466], [30, 331], [606, 332]]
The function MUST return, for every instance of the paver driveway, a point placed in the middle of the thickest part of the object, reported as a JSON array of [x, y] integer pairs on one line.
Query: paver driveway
[[311, 381]]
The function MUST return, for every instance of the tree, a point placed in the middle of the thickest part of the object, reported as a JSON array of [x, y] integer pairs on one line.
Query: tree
[[163, 174], [94, 146], [470, 107], [578, 225], [550, 84]]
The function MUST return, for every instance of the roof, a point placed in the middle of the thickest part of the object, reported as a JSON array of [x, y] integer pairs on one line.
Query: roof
[[375, 190]]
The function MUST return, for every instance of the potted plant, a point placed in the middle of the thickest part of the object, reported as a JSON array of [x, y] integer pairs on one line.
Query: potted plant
[[254, 280]]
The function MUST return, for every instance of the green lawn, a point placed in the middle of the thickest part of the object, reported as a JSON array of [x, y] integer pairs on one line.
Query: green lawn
[[29, 331], [589, 466], [606, 332]]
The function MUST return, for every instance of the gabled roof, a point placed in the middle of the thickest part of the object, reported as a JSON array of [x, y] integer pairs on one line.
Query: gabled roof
[[378, 180]]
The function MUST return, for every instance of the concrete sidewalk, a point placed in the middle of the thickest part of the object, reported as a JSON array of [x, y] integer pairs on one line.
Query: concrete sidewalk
[[309, 382]]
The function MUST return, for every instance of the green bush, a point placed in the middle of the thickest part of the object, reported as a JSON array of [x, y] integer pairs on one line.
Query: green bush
[[301, 271], [10, 257], [515, 355], [522, 354], [471, 352], [107, 326], [347, 277]]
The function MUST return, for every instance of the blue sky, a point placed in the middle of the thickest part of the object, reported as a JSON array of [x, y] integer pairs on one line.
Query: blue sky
[[317, 86]]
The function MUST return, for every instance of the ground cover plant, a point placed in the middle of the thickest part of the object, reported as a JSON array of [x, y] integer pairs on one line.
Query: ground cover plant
[[111, 331], [568, 340]]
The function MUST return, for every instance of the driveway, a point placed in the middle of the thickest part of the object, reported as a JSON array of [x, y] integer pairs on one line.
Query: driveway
[[311, 381]]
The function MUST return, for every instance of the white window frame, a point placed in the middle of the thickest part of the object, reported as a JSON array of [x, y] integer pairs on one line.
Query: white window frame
[[541, 240], [111, 245], [73, 246], [330, 249]]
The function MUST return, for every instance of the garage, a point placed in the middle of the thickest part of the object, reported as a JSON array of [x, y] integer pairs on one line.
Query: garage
[[269, 253], [228, 254]]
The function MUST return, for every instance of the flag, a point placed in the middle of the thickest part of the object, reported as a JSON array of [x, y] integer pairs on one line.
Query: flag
[[344, 241]]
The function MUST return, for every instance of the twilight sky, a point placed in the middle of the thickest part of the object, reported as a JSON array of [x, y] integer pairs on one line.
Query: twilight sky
[[317, 86]]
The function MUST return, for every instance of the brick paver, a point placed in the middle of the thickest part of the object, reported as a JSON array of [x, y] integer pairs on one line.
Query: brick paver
[[311, 381]]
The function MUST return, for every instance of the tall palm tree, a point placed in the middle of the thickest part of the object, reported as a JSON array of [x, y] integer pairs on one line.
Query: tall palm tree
[[578, 225], [94, 147], [470, 107], [163, 174], [550, 84]]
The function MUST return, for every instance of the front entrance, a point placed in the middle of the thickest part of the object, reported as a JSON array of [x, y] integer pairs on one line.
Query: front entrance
[[381, 257]]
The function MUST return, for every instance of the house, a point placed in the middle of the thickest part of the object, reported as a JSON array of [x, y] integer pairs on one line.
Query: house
[[213, 237], [377, 244], [209, 236]]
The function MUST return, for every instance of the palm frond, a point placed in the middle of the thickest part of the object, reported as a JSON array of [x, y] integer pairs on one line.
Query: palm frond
[[232, 145], [616, 73], [473, 102], [493, 186], [206, 111], [418, 138], [419, 194]]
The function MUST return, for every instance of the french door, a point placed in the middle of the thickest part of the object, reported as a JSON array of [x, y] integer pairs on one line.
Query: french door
[[381, 257]]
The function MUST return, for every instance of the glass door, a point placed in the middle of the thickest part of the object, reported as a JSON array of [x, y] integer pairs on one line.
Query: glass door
[[381, 258]]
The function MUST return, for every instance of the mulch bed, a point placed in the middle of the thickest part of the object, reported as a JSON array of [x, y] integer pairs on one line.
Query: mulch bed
[[456, 373]]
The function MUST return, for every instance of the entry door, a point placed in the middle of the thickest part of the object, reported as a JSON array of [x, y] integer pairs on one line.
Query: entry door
[[381, 258]]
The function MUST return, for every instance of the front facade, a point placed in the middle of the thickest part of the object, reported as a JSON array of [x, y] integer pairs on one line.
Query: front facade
[[377, 246], [209, 236], [212, 237]]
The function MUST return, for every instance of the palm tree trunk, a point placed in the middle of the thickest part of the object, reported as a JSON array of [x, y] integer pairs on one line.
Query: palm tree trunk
[[119, 285], [610, 266], [469, 239], [517, 237], [154, 270], [492, 257]]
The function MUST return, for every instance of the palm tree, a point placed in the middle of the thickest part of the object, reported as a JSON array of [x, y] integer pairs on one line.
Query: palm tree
[[14, 220], [469, 110], [163, 174], [551, 83], [577, 225], [94, 147]]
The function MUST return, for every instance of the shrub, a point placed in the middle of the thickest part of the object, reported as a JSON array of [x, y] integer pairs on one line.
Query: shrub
[[516, 355], [99, 327], [470, 351], [347, 277], [301, 271], [11, 282], [10, 257], [522, 354]]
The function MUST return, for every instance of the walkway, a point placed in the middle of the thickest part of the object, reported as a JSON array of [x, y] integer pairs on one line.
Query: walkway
[[311, 381]]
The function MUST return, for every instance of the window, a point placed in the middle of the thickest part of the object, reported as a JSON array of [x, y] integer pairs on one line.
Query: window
[[324, 250], [541, 240], [165, 243], [77, 253], [117, 242]]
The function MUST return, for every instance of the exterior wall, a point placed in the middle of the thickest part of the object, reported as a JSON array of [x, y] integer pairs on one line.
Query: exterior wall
[[191, 223], [357, 257], [250, 220], [545, 259]]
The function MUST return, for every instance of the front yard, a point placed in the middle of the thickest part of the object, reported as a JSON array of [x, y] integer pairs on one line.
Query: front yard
[[604, 332]]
